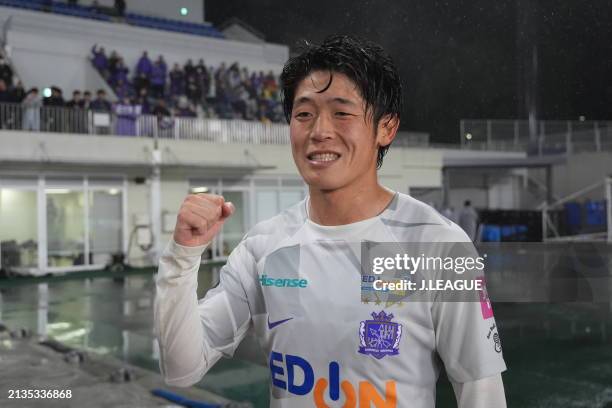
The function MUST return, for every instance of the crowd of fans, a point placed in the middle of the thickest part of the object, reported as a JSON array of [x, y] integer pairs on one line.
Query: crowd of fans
[[226, 92], [189, 91]]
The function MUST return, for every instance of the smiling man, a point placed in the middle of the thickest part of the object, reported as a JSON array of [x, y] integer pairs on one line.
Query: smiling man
[[295, 279]]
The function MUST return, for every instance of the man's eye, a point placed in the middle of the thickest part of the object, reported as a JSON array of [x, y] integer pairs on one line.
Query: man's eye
[[302, 114], [343, 114]]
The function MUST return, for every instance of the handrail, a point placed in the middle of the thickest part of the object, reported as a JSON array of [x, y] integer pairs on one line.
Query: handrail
[[552, 137], [125, 121]]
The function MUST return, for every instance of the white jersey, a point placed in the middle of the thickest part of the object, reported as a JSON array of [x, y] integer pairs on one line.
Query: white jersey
[[290, 281]]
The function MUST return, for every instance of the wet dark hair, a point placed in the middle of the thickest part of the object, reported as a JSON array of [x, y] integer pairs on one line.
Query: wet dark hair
[[363, 62]]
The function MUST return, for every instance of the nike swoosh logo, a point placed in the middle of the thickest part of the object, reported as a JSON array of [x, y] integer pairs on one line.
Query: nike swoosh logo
[[276, 323]]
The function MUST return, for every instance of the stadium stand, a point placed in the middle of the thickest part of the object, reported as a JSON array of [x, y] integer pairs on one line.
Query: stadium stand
[[232, 92], [104, 14]]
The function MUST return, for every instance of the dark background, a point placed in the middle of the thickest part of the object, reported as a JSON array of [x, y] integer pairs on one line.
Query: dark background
[[463, 58]]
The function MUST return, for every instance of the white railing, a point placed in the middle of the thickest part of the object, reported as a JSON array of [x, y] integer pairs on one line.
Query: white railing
[[551, 136], [80, 121]]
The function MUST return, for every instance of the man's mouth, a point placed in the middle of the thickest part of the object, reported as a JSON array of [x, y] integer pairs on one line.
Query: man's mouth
[[323, 157]]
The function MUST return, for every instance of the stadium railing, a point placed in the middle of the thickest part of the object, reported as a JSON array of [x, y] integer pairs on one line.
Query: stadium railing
[[88, 122], [551, 136]]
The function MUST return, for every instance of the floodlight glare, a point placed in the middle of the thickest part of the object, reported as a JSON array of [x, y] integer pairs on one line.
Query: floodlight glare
[[184, 11]]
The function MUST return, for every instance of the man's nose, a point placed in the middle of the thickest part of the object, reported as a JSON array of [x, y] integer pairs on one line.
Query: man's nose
[[323, 128]]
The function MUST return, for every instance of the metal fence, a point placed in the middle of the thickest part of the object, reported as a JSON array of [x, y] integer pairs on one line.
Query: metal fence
[[80, 121], [551, 137]]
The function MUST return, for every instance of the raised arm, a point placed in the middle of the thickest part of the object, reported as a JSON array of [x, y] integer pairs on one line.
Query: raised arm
[[194, 334]]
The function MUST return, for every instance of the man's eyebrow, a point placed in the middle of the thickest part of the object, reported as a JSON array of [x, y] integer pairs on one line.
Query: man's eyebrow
[[301, 100]]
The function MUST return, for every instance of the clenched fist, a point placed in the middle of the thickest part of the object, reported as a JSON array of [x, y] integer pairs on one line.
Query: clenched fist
[[200, 218]]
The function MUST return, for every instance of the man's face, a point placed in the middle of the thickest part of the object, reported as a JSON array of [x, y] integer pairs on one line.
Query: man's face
[[333, 143]]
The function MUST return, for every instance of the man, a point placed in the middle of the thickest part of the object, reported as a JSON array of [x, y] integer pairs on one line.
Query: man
[[86, 101], [53, 117], [144, 65], [6, 72], [301, 296], [31, 110], [100, 104], [120, 8], [78, 117], [468, 219], [75, 102], [102, 109]]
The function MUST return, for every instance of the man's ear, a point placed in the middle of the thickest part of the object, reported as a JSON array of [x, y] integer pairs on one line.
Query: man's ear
[[387, 129]]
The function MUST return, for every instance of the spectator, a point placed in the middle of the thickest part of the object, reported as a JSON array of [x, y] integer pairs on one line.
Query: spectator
[[144, 66], [184, 110], [95, 6], [120, 8], [53, 115], [6, 114], [164, 122], [177, 81], [143, 101], [6, 72], [468, 219], [100, 61], [203, 76], [100, 104], [239, 102], [78, 117], [75, 101], [101, 108], [16, 93], [127, 114], [122, 89], [56, 98], [162, 63], [212, 86], [263, 114], [160, 110], [86, 101], [4, 93], [193, 89], [189, 69], [141, 82], [158, 79], [120, 73], [113, 60]]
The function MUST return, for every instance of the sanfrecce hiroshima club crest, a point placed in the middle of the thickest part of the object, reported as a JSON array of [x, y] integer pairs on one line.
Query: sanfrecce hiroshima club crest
[[380, 336]]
